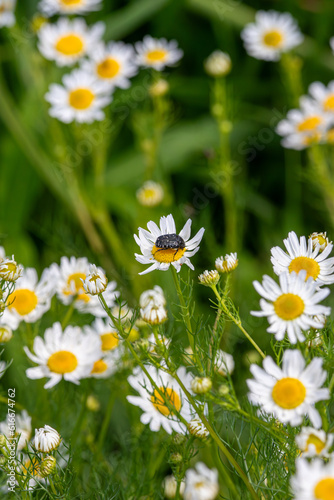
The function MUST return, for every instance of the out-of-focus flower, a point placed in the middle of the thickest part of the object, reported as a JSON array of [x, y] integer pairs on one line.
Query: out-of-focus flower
[[157, 53], [51, 7], [313, 480], [22, 428], [201, 483], [224, 363], [314, 442], [218, 64], [150, 194], [7, 16], [226, 264]]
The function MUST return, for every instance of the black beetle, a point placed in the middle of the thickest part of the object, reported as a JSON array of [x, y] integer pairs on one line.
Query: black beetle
[[166, 241]]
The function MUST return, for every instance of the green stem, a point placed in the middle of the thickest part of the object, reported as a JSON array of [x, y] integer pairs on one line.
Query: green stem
[[69, 313], [184, 308]]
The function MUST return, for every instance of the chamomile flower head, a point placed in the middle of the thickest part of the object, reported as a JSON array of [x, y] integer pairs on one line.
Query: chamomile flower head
[[22, 428], [224, 363], [47, 466], [7, 16], [313, 480], [154, 297], [108, 335], [5, 333], [51, 7], [46, 439], [272, 34], [321, 240], [68, 354], [197, 428], [292, 305], [289, 393], [323, 96], [156, 412], [302, 256], [96, 281], [81, 98], [157, 53], [314, 442], [218, 64], [66, 41], [227, 264], [201, 483], [162, 247], [154, 315], [209, 278], [10, 270], [150, 194], [106, 365], [113, 64]]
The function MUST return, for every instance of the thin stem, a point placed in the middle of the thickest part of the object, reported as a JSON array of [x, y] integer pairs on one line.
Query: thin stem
[[69, 313], [185, 309]]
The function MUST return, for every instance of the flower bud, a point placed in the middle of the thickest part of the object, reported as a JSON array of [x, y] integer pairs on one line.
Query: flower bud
[[227, 264], [5, 334], [46, 439], [218, 64], [319, 239], [201, 385], [96, 281], [197, 428], [176, 458], [47, 466], [93, 403], [209, 278], [10, 270]]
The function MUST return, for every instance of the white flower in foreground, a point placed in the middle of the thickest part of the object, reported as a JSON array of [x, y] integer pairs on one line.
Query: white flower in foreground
[[227, 264], [162, 247], [314, 442], [150, 194], [51, 7], [218, 64], [157, 53], [10, 270], [22, 428], [112, 63], [66, 41], [201, 483], [313, 480], [289, 393], [80, 98], [323, 96], [108, 335], [7, 16], [68, 354], [96, 281], [321, 240], [272, 34], [301, 256], [156, 412], [224, 363], [46, 439], [292, 305], [169, 485]]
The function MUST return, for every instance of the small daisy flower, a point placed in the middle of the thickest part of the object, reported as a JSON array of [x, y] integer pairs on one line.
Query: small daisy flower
[[66, 41], [10, 270], [218, 64], [292, 305], [201, 385], [155, 411], [323, 96], [162, 247], [80, 98], [51, 7], [150, 194], [209, 278], [108, 335], [169, 485], [272, 34], [201, 483], [96, 282], [224, 363], [197, 428], [301, 256], [321, 240], [113, 64], [68, 354], [157, 53], [289, 393], [22, 428], [107, 365], [7, 16], [227, 264], [313, 480], [46, 439], [153, 297], [314, 442]]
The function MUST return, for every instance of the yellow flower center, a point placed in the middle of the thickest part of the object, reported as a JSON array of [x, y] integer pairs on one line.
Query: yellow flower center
[[71, 2], [288, 393], [273, 39], [148, 193], [108, 68], [170, 395], [81, 98], [319, 445], [23, 301], [289, 306], [109, 341], [70, 45], [62, 362], [157, 55], [75, 286], [324, 489], [307, 264], [329, 103], [321, 240], [309, 124], [330, 136], [167, 255], [100, 366]]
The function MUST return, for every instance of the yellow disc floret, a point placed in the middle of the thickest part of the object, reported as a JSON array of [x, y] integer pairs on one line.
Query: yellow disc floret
[[324, 489], [70, 45], [23, 301], [167, 255], [289, 306], [62, 362], [307, 264], [289, 393], [273, 39], [159, 401], [108, 68]]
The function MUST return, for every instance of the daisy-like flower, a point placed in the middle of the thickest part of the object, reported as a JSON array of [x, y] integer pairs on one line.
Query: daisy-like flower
[[107, 365], [69, 286], [113, 64], [158, 88], [224, 363], [324, 96], [68, 354], [314, 442], [80, 98], [30, 299], [22, 428], [301, 256], [272, 34], [292, 305], [289, 393], [201, 483], [156, 412], [321, 240], [10, 270], [66, 41], [51, 7], [7, 16], [227, 264], [150, 194], [218, 64], [157, 53], [108, 335], [162, 247], [46, 439], [313, 480], [96, 282]]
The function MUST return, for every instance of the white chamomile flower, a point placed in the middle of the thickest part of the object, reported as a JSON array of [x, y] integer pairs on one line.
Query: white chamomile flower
[[150, 194], [162, 247], [30, 299], [70, 276], [224, 363], [22, 428], [107, 365], [314, 442], [227, 264], [156, 412], [169, 485], [302, 256], [7, 16], [157, 53], [66, 41], [324, 96], [96, 281], [68, 354], [46, 439], [272, 34], [201, 483], [51, 7], [289, 393], [321, 240], [292, 305], [313, 480], [112, 63], [80, 98], [108, 335], [10, 270], [154, 315]]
